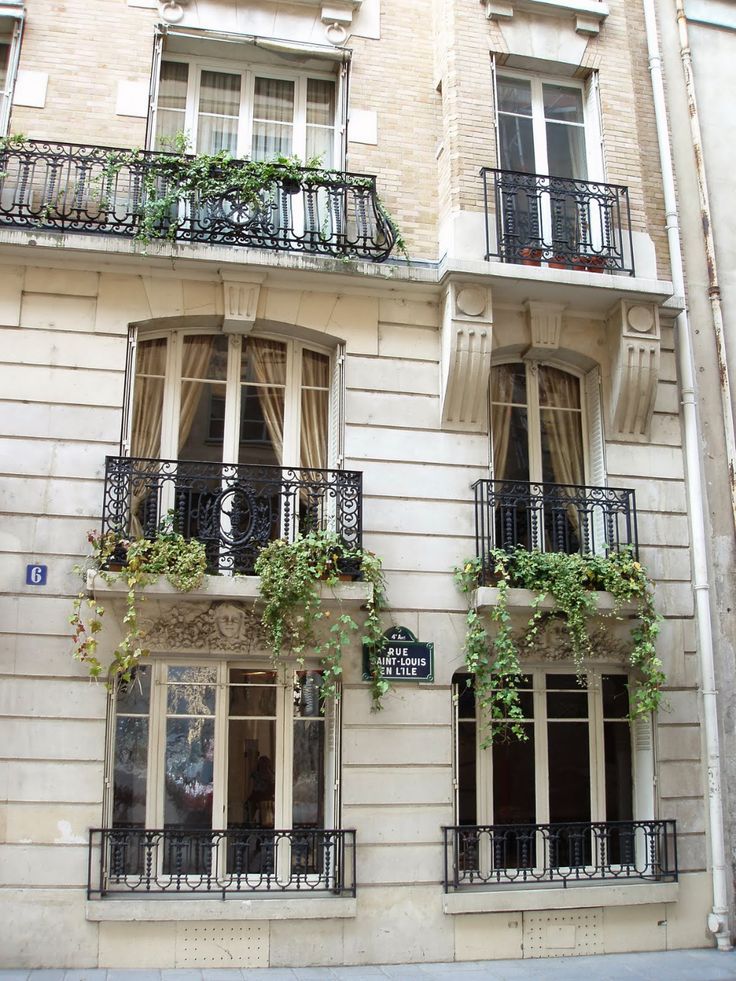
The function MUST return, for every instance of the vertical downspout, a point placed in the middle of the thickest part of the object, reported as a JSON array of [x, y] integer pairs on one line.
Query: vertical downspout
[[714, 289], [718, 919]]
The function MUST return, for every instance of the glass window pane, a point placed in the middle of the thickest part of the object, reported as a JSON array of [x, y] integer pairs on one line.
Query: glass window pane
[[619, 791], [315, 406], [514, 95], [562, 103], [189, 773], [615, 696], [320, 102], [191, 690], [172, 101], [4, 58], [308, 787], [569, 771], [558, 388], [511, 444], [563, 461], [513, 779], [517, 144], [130, 772], [251, 777], [566, 151], [263, 362], [273, 118], [219, 108], [252, 693], [566, 697], [508, 384]]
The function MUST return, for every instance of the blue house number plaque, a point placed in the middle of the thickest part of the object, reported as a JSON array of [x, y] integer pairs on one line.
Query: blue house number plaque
[[36, 575]]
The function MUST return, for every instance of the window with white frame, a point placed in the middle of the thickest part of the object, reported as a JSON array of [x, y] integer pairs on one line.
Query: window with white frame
[[217, 745], [10, 38], [230, 399], [546, 429], [573, 766], [255, 112]]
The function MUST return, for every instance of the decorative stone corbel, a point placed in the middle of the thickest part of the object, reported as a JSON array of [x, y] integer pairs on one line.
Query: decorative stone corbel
[[467, 322], [240, 304], [172, 10], [587, 14], [635, 354], [545, 326], [497, 10], [337, 16]]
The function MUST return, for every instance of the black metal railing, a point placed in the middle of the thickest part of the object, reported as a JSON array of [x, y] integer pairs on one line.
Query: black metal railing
[[507, 854], [137, 861], [233, 509], [553, 517], [573, 224], [74, 188]]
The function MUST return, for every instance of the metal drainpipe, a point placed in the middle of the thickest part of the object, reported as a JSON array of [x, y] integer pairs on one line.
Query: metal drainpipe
[[714, 290], [718, 922]]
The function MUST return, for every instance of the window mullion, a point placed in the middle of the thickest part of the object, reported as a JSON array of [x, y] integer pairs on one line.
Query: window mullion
[[231, 431], [292, 406], [220, 774], [534, 422], [190, 113], [597, 748], [172, 398], [300, 119], [245, 131], [157, 748]]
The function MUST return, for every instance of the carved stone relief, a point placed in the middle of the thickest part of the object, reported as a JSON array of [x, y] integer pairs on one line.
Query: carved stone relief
[[552, 643], [224, 627]]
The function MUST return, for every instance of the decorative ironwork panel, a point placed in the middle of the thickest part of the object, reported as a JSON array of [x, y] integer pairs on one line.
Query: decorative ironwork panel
[[73, 188], [505, 854], [563, 222], [553, 517], [184, 862], [234, 510]]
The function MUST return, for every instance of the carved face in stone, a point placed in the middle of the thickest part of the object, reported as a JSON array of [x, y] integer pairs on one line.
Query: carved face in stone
[[229, 621]]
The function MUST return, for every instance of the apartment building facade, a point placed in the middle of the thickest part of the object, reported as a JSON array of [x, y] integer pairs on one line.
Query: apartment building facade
[[252, 367]]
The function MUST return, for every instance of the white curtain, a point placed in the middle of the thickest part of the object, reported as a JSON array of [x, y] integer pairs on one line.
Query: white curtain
[[273, 119], [219, 109]]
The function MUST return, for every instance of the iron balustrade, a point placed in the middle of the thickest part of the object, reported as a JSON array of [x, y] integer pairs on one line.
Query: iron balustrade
[[233, 509], [189, 862], [518, 854], [564, 222], [70, 187], [553, 517]]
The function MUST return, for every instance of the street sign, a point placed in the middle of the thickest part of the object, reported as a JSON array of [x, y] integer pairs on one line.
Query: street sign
[[402, 657]]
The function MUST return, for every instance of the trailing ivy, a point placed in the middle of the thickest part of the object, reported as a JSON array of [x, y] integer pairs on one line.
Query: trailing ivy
[[294, 618], [183, 562], [570, 581]]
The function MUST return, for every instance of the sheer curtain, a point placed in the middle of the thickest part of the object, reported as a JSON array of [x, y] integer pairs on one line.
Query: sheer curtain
[[559, 396], [273, 119], [315, 395], [502, 387], [267, 359], [219, 109], [148, 403], [195, 360]]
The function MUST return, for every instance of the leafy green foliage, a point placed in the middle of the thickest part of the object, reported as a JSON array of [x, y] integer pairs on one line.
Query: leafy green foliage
[[294, 618], [181, 561], [569, 580]]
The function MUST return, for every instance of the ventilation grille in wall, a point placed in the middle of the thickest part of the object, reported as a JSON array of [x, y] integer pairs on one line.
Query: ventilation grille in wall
[[221, 945], [572, 934]]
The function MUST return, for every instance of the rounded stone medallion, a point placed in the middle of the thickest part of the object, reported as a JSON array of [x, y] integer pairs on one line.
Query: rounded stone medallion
[[640, 319], [471, 301]]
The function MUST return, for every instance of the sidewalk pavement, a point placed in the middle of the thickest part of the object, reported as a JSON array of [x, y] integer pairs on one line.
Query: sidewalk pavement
[[671, 965]]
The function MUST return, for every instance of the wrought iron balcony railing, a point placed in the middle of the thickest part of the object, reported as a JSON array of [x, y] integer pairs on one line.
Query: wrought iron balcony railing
[[508, 854], [553, 517], [570, 224], [235, 510], [184, 862], [73, 188]]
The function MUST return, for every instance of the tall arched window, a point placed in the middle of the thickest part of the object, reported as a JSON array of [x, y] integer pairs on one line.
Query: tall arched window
[[547, 448]]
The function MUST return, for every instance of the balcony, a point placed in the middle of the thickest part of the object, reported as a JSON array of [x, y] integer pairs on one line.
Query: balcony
[[553, 517], [79, 189], [533, 219], [505, 855], [234, 510], [224, 864]]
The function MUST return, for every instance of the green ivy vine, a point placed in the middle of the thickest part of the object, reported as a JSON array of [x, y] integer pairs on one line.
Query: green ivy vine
[[183, 562], [570, 581], [291, 575]]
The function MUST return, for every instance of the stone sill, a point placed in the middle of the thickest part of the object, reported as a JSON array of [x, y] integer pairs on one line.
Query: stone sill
[[595, 894], [486, 597], [240, 588], [151, 910]]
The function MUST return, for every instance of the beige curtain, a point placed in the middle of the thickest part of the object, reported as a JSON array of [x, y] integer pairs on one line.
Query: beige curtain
[[267, 358], [148, 403], [315, 383], [564, 429], [195, 359], [502, 387]]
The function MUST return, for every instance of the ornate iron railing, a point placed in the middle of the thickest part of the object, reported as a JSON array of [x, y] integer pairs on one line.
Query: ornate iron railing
[[184, 862], [575, 224], [553, 517], [235, 510], [506, 854], [74, 188]]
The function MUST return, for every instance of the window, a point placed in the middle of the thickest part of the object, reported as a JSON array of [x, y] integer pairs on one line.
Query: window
[[221, 747], [546, 431], [227, 399], [11, 30], [253, 112], [574, 767], [549, 153]]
